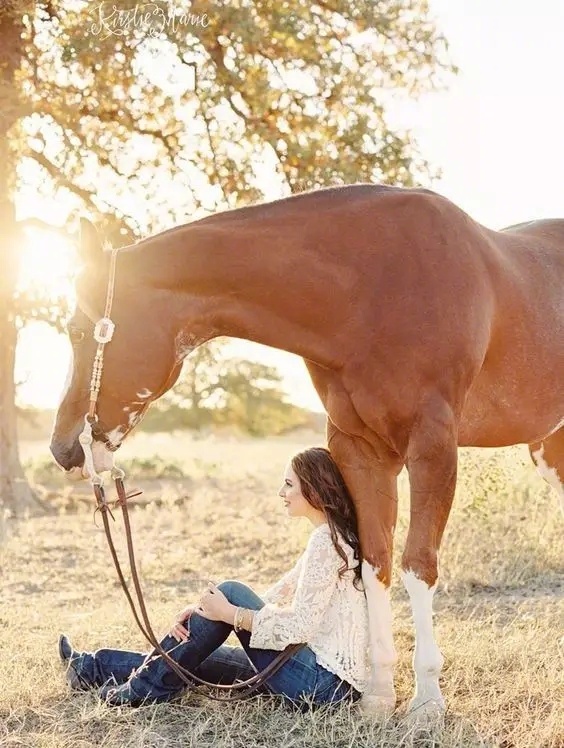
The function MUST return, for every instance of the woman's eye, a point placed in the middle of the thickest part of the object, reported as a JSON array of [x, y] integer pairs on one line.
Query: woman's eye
[[76, 335]]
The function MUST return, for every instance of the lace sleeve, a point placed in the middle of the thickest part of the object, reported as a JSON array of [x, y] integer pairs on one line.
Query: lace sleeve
[[283, 590], [274, 627]]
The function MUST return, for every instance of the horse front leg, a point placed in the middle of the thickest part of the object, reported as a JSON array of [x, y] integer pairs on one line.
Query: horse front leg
[[432, 467], [371, 477]]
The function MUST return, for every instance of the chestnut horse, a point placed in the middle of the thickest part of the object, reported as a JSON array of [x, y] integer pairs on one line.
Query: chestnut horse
[[421, 330]]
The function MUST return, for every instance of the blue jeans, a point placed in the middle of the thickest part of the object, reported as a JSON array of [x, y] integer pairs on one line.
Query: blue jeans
[[150, 678]]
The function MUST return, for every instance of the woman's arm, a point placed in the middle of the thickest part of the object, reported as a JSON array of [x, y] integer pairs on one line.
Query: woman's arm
[[273, 627], [283, 590]]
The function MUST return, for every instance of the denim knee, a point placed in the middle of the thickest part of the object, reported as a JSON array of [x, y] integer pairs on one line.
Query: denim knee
[[230, 587], [238, 593]]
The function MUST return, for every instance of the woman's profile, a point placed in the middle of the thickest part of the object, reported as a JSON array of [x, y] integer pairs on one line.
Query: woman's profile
[[319, 602]]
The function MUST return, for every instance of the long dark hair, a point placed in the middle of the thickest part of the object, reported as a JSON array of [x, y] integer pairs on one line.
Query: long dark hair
[[324, 487]]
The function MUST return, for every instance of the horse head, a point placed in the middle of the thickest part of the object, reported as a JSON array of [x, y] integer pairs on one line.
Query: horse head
[[139, 364]]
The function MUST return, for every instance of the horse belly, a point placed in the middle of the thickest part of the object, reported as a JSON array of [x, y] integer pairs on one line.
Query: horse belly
[[505, 409], [518, 395]]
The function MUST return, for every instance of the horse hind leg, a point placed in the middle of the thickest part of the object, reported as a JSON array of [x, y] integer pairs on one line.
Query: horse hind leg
[[548, 456]]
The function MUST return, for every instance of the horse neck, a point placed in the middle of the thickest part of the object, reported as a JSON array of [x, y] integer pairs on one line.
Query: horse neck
[[246, 279]]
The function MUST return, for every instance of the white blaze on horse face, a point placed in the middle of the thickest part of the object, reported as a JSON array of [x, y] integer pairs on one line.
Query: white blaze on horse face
[[550, 475], [380, 692], [427, 659]]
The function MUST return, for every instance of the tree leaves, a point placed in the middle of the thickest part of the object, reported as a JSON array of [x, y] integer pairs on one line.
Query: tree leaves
[[217, 390], [304, 81]]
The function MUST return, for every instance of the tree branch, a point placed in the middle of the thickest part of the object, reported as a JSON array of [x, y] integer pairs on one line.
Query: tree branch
[[63, 181], [84, 194]]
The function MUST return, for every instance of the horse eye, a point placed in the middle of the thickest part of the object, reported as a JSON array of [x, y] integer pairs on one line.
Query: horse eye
[[76, 335]]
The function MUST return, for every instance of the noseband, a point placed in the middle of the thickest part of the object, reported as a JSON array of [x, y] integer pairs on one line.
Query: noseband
[[103, 333]]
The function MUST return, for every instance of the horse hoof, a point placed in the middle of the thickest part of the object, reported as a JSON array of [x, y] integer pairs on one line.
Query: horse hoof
[[377, 707]]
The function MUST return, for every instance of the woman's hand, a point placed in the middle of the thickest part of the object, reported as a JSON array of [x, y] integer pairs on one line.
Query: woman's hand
[[179, 631], [215, 606]]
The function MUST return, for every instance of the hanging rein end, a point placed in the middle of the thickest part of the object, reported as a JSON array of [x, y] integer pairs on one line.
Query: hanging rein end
[[101, 501], [117, 476]]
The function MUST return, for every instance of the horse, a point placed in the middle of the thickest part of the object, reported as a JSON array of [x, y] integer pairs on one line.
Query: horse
[[421, 330]]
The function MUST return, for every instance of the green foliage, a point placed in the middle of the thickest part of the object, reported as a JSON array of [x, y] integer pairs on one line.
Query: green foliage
[[301, 86], [218, 391], [165, 416], [44, 470], [152, 467], [252, 397]]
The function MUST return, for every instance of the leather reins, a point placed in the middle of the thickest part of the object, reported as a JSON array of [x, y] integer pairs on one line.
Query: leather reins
[[103, 333]]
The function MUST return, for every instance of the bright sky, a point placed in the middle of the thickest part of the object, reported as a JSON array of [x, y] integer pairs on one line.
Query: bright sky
[[496, 134]]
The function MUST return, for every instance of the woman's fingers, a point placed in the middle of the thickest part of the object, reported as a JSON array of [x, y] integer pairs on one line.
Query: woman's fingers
[[185, 614], [180, 633], [175, 635]]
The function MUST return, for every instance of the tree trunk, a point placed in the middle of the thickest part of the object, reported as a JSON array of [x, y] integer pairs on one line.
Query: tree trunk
[[15, 493]]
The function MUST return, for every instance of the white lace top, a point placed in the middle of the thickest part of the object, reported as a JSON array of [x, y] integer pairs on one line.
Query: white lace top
[[312, 604]]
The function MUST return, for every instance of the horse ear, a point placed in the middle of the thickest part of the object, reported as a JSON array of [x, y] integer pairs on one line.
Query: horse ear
[[90, 245]]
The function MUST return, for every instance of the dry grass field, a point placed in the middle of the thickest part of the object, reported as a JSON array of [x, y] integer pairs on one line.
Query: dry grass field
[[499, 608]]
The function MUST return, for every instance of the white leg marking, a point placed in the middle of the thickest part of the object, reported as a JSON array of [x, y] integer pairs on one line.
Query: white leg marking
[[427, 660], [380, 695], [549, 474]]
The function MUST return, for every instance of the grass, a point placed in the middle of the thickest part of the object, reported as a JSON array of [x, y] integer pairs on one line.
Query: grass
[[499, 608]]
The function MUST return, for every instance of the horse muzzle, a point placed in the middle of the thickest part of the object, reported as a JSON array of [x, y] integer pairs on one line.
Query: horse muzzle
[[68, 458]]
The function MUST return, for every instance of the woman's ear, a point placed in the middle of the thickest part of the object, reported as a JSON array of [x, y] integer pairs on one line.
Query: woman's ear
[[90, 244]]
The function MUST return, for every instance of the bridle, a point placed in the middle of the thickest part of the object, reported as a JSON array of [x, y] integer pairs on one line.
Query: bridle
[[103, 333]]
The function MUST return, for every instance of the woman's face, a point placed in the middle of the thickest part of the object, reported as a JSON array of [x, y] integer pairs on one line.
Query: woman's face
[[294, 501]]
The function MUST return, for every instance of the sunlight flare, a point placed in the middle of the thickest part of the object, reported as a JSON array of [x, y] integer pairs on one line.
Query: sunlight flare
[[47, 261], [46, 264]]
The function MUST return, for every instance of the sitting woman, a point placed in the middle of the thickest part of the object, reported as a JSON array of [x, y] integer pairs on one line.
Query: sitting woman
[[320, 601]]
